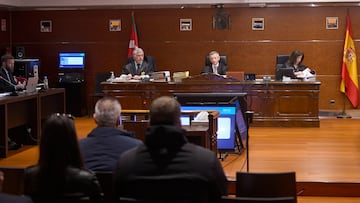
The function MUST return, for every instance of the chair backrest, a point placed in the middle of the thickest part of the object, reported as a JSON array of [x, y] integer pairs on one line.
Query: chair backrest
[[223, 60], [100, 77], [148, 59], [282, 58], [257, 200], [74, 198], [105, 180], [281, 184], [170, 188]]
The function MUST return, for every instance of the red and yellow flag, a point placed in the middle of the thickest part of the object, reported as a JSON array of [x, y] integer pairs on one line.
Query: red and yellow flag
[[349, 78], [133, 43]]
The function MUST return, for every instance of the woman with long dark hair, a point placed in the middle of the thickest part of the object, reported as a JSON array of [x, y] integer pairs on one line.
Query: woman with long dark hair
[[60, 171], [295, 62]]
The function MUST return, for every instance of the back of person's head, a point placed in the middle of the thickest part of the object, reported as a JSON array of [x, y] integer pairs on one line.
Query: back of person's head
[[6, 57], [107, 112], [59, 147], [165, 111], [294, 55]]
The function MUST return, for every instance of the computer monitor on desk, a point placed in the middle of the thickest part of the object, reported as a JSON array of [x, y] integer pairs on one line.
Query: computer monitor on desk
[[231, 106]]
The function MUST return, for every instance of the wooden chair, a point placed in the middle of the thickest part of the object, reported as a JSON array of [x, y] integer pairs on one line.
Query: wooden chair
[[264, 185], [258, 200]]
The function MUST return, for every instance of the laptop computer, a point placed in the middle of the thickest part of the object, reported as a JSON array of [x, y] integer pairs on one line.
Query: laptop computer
[[31, 84]]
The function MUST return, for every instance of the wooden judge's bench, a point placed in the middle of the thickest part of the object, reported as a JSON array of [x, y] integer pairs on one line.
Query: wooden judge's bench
[[275, 103]]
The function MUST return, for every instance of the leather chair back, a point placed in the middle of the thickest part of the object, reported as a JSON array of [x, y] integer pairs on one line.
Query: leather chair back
[[223, 60], [266, 184]]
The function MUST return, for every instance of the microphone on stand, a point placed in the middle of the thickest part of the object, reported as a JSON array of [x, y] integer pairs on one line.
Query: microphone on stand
[[10, 83]]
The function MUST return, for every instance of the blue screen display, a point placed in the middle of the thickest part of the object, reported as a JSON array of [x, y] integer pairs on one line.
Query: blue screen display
[[72, 60], [226, 124]]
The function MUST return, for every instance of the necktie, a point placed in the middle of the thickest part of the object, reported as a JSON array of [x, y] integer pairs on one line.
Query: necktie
[[215, 69], [138, 66], [7, 74]]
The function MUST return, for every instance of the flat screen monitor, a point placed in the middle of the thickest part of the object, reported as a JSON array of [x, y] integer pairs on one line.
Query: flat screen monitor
[[71, 60], [231, 106], [226, 124]]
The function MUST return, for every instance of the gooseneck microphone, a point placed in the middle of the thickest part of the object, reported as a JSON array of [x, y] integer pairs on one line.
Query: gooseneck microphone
[[8, 82]]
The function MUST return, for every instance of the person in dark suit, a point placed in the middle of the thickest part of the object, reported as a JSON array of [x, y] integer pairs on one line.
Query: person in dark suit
[[168, 162], [60, 170], [104, 144], [11, 198], [138, 66], [7, 80], [295, 62], [216, 66]]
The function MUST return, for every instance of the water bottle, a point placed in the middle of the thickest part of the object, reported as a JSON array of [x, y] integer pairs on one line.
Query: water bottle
[[46, 83], [112, 76]]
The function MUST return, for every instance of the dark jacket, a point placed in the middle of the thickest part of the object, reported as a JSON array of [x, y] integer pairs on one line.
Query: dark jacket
[[6, 198], [103, 147], [145, 68], [221, 69], [299, 68], [77, 181], [4, 85], [167, 165]]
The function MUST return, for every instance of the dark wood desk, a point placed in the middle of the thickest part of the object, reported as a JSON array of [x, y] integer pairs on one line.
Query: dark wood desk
[[276, 104], [28, 109]]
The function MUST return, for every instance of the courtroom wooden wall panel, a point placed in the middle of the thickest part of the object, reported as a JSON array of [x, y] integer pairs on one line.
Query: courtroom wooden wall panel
[[286, 29]]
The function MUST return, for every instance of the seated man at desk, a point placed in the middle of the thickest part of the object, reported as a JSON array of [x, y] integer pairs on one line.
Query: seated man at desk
[[295, 62], [167, 157], [7, 80], [138, 66], [216, 66]]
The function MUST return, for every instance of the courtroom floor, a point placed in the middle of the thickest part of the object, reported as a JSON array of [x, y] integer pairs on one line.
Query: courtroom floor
[[330, 153]]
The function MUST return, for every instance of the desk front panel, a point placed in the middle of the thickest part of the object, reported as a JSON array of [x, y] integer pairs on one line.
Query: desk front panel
[[286, 104], [27, 109]]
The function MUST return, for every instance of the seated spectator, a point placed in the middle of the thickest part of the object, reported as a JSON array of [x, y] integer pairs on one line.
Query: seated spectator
[[104, 144], [60, 171], [7, 198], [167, 165]]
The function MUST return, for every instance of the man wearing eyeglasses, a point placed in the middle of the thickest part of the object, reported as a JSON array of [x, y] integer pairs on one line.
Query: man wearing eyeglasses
[[104, 144]]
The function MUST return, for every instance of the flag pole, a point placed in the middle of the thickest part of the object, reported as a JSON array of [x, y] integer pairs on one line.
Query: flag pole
[[343, 113]]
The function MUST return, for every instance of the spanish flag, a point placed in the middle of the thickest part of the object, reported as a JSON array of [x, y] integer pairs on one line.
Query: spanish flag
[[133, 43], [349, 78]]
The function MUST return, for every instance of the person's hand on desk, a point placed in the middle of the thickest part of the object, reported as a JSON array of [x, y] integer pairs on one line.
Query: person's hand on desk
[[305, 73], [134, 77], [20, 85]]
